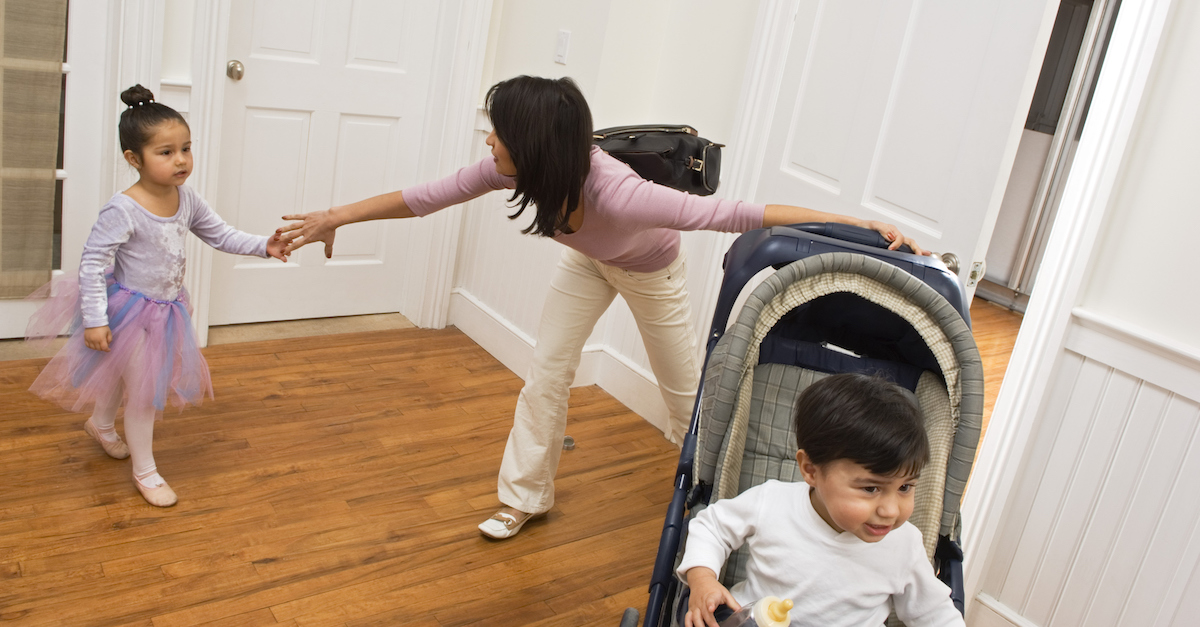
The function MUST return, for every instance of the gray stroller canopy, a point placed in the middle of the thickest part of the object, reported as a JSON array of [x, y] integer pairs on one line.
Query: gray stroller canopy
[[879, 318]]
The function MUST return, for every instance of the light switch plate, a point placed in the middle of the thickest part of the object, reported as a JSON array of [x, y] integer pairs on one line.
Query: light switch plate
[[564, 43]]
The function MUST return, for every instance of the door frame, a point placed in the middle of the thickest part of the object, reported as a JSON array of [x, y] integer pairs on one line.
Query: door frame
[[445, 146], [1114, 107], [1090, 183]]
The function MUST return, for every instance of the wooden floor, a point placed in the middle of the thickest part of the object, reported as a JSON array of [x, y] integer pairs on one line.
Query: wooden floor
[[333, 485], [332, 482], [995, 331]]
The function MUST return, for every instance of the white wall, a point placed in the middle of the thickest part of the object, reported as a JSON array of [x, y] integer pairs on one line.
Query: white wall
[[1019, 197], [674, 61], [637, 61], [1101, 528]]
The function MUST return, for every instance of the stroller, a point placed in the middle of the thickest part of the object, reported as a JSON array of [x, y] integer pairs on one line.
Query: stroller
[[838, 302]]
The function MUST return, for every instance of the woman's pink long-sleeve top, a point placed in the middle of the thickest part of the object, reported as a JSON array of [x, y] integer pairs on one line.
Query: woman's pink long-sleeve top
[[628, 222]]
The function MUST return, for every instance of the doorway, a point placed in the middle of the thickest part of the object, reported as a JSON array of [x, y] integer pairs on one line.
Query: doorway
[[1074, 56], [328, 107]]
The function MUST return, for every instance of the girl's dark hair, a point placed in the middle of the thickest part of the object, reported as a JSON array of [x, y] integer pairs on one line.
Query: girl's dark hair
[[866, 419], [141, 117], [546, 126]]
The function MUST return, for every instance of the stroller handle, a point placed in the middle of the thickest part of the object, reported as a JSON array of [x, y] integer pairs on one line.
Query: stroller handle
[[849, 233], [778, 246]]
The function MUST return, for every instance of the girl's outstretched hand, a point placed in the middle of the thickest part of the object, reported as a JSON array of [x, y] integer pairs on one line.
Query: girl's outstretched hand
[[707, 595], [307, 228], [893, 235], [97, 338], [275, 247]]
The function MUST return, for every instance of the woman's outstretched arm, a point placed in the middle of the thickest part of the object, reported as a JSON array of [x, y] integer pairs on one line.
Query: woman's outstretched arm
[[321, 226], [777, 215]]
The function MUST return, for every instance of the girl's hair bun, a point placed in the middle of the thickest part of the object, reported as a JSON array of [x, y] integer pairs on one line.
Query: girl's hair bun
[[137, 95], [141, 117]]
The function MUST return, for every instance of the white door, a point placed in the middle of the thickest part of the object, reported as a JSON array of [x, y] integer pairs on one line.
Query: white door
[[329, 111], [907, 112]]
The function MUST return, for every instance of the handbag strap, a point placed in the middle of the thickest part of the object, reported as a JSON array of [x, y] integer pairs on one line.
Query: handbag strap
[[605, 133]]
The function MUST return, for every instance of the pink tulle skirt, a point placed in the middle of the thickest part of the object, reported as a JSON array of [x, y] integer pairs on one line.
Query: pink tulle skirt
[[153, 359]]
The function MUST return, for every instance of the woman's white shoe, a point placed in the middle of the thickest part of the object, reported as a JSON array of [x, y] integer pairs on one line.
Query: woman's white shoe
[[504, 525]]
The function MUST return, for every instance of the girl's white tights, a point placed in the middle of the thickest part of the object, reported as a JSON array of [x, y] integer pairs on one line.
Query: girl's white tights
[[139, 435], [104, 418]]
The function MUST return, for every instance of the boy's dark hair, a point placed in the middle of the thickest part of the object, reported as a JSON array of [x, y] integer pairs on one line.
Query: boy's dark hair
[[866, 419], [546, 126], [141, 117]]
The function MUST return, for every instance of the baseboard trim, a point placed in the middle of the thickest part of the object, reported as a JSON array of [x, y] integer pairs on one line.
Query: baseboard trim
[[1001, 295], [626, 381], [986, 611]]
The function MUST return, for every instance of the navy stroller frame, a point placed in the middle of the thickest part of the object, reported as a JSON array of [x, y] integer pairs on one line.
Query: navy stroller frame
[[751, 253]]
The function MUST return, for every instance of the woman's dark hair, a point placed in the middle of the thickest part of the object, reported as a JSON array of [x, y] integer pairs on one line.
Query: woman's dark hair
[[141, 117], [866, 419], [546, 126]]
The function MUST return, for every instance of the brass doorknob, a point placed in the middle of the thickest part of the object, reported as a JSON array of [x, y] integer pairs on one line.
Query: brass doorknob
[[235, 70]]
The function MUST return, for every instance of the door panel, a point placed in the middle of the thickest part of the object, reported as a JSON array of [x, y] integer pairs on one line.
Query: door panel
[[329, 112], [905, 111], [355, 177]]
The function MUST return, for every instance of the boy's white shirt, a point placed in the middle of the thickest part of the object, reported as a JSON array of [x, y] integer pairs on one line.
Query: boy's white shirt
[[832, 578]]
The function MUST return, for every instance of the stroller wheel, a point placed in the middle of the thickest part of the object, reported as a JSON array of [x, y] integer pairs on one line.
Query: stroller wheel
[[629, 618]]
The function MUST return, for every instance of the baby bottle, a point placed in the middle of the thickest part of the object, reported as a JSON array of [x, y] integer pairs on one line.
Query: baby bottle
[[765, 612]]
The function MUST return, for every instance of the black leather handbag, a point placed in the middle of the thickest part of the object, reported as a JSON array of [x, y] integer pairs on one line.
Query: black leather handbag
[[671, 155]]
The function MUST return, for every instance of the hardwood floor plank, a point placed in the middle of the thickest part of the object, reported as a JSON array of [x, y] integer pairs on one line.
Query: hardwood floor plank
[[249, 619], [995, 331]]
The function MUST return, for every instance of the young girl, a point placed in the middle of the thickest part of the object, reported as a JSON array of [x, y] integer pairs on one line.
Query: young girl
[[131, 331]]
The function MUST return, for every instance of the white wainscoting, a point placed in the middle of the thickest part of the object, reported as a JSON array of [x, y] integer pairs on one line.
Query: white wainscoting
[[1103, 527], [625, 380]]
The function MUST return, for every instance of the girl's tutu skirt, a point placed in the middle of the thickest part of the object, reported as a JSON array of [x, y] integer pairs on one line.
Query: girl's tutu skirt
[[153, 352]]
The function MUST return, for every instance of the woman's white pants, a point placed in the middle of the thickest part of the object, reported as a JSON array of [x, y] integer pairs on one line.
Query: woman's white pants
[[580, 292]]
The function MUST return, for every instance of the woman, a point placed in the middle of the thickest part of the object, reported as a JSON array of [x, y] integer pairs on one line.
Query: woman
[[622, 236]]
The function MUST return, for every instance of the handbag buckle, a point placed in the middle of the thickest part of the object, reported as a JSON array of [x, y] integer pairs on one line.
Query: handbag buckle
[[695, 164]]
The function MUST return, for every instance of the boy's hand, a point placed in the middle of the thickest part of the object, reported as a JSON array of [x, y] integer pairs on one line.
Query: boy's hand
[[97, 338], [707, 595], [275, 247]]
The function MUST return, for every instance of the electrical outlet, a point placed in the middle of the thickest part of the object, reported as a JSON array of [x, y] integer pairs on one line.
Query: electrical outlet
[[564, 43]]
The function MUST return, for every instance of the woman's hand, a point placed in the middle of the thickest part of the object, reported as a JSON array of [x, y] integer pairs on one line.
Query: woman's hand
[[776, 215], [275, 247], [318, 226], [893, 235], [97, 338], [707, 595], [321, 226]]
